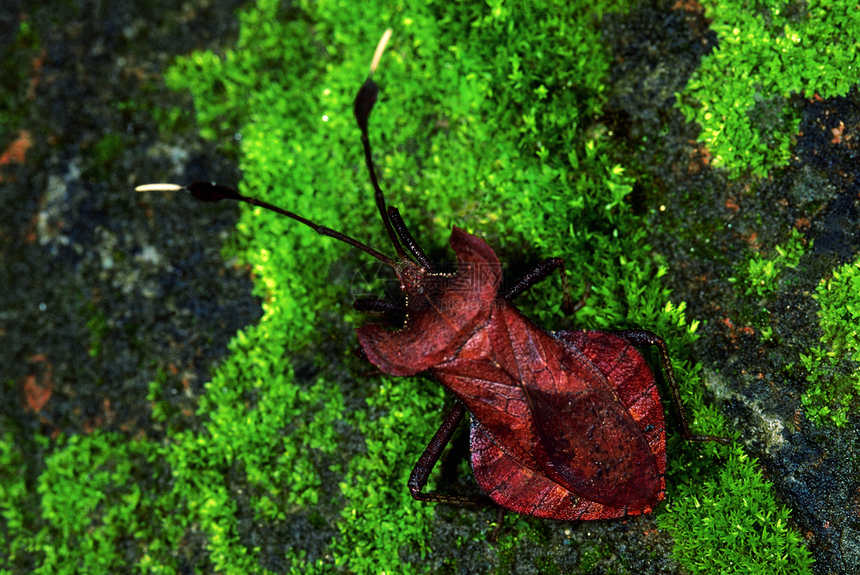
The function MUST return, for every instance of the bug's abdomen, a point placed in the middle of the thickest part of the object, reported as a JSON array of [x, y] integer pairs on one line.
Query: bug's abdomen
[[554, 434]]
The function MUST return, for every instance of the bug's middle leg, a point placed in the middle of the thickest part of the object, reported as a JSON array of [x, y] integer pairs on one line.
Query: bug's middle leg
[[541, 272]]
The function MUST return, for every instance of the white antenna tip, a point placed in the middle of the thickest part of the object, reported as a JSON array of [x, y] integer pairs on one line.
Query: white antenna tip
[[380, 48], [159, 188]]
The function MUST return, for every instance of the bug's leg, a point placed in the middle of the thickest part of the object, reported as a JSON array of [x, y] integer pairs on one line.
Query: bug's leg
[[644, 337], [500, 521], [581, 303], [407, 240], [378, 305], [428, 459], [541, 272]]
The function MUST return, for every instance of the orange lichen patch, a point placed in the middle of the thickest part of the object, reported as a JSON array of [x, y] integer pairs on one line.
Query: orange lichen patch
[[35, 74], [688, 6], [38, 387], [837, 133], [752, 240], [36, 396], [17, 150], [105, 419], [110, 414], [735, 331], [700, 156], [30, 235]]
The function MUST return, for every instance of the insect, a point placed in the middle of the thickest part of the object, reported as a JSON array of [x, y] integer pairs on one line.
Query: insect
[[566, 425]]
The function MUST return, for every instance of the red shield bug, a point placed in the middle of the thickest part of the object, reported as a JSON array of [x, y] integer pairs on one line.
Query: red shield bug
[[565, 425]]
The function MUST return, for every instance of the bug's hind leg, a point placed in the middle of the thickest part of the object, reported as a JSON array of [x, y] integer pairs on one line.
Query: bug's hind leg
[[643, 337]]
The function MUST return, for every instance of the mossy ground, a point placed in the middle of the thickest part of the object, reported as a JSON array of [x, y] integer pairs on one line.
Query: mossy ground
[[511, 121]]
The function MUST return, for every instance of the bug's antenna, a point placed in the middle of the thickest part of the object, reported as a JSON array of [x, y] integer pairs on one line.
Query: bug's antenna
[[380, 48], [209, 192], [364, 102]]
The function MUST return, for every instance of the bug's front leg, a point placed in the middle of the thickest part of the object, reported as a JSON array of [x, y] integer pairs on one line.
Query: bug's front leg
[[541, 272], [428, 459]]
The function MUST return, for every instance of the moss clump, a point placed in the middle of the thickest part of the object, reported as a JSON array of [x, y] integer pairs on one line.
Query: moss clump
[[733, 524], [298, 433], [759, 274], [832, 369], [767, 51], [17, 61], [101, 509]]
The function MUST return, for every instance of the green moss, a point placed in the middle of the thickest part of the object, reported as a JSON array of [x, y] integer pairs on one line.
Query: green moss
[[733, 523], [98, 328], [597, 557], [832, 368], [17, 61], [380, 518], [100, 511], [515, 532], [14, 501], [108, 149], [767, 51], [759, 274]]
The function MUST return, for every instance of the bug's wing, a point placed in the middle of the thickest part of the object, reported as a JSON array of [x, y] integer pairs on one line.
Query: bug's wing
[[588, 442], [584, 437], [526, 491], [631, 378], [553, 437]]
